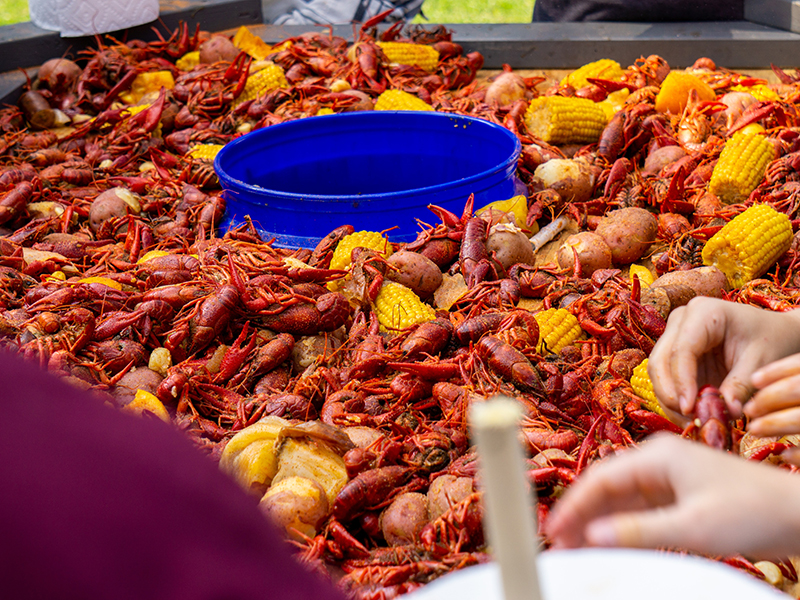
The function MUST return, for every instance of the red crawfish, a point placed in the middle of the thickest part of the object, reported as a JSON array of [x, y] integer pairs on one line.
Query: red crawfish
[[368, 489], [327, 313], [473, 256], [269, 356], [511, 364], [428, 338], [715, 420], [206, 323], [472, 329], [322, 254], [14, 202], [458, 529]]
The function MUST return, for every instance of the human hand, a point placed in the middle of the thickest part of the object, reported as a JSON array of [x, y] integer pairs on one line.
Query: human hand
[[719, 343], [774, 409], [670, 492]]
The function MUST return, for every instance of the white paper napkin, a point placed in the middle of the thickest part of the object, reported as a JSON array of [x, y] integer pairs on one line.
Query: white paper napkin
[[75, 18]]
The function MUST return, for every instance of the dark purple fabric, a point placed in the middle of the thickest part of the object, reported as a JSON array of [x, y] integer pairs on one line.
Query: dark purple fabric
[[97, 504], [638, 10]]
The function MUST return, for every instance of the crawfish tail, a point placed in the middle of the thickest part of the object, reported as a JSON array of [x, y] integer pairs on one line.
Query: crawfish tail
[[428, 338], [511, 364], [367, 489]]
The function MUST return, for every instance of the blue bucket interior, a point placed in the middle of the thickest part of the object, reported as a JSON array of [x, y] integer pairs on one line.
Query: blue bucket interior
[[301, 179]]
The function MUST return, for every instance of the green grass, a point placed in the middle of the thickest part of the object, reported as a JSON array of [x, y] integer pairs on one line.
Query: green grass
[[477, 11], [437, 11], [13, 11]]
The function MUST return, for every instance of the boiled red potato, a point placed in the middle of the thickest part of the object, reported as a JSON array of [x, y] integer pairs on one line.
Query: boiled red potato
[[217, 48], [589, 249], [446, 491], [572, 179], [505, 89], [415, 271], [403, 520], [629, 233]]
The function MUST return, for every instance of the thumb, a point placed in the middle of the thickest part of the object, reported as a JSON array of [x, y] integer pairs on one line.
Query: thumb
[[646, 529]]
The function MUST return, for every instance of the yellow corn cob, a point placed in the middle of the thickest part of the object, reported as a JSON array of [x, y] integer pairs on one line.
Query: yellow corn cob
[[361, 239], [605, 68], [641, 384], [271, 77], [425, 57], [644, 274], [741, 167], [749, 244], [560, 120], [146, 83], [188, 61], [205, 151], [400, 100], [398, 307], [760, 92], [557, 328]]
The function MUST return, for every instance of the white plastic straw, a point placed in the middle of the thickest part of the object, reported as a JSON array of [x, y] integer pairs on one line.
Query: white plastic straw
[[510, 521]]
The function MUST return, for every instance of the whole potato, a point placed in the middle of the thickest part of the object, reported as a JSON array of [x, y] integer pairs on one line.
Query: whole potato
[[217, 48], [58, 75], [141, 378], [703, 281], [446, 491], [415, 271], [592, 250], [116, 202], [403, 520], [296, 503], [572, 179], [505, 89], [509, 246], [364, 101], [629, 232], [660, 158]]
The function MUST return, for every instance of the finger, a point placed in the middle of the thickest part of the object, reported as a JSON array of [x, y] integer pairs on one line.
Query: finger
[[780, 369], [624, 483], [648, 529], [659, 367], [701, 334], [780, 395], [792, 455], [779, 423]]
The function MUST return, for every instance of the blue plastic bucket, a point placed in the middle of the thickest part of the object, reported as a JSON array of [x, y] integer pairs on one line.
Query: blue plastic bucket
[[301, 179]]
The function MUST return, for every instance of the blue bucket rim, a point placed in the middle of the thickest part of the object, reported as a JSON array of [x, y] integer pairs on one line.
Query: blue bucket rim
[[361, 198]]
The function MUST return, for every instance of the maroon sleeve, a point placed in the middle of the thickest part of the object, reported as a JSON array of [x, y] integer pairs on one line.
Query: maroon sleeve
[[98, 504]]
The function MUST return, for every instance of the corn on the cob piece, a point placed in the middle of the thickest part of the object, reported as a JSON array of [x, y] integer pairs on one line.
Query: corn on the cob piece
[[605, 68], [188, 61], [205, 151], [146, 83], [400, 100], [425, 57], [741, 167], [271, 77], [749, 244], [398, 307], [643, 387], [560, 120], [360, 239], [760, 92], [557, 328]]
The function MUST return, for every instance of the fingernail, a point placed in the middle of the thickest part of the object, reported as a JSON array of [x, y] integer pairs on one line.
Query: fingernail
[[601, 533]]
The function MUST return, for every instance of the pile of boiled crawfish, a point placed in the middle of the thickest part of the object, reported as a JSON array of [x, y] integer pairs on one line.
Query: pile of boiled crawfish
[[251, 334]]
